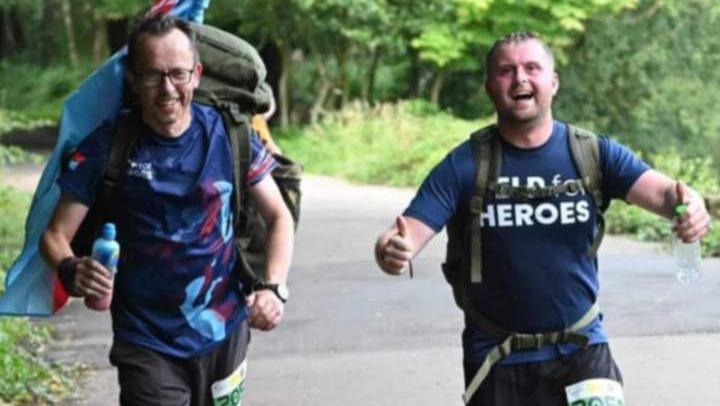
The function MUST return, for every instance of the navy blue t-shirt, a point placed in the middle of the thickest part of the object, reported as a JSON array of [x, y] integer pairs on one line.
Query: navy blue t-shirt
[[537, 275], [175, 290]]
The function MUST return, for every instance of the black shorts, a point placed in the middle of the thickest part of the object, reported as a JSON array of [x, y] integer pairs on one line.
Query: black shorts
[[148, 377], [541, 383]]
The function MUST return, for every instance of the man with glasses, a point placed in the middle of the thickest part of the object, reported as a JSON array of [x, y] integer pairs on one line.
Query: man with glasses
[[180, 319]]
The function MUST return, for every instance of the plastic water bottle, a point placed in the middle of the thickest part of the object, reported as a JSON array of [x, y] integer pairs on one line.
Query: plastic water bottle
[[106, 251], [687, 256]]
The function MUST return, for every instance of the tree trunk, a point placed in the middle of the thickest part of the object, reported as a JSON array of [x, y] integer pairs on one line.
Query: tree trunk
[[18, 29], [7, 38], [437, 86], [343, 80], [368, 86], [284, 84], [70, 32], [49, 27], [326, 85], [117, 33], [271, 56], [99, 44], [414, 88]]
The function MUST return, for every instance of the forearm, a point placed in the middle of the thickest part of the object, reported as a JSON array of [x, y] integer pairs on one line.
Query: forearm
[[65, 221], [279, 246], [654, 192], [59, 256], [54, 247]]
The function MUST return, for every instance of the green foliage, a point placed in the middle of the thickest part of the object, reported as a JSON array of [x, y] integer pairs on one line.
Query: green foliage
[[646, 76], [120, 8], [388, 144], [36, 91], [479, 22], [10, 121], [699, 173], [27, 377], [12, 203]]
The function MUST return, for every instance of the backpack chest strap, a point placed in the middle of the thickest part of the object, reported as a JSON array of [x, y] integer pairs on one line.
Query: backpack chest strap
[[512, 341]]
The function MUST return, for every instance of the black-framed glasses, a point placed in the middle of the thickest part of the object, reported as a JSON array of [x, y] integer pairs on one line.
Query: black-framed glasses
[[156, 78]]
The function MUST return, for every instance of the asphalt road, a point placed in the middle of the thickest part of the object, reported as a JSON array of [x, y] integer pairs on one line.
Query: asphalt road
[[354, 336]]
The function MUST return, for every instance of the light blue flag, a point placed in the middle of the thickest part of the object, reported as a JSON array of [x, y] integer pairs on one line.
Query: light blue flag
[[31, 287]]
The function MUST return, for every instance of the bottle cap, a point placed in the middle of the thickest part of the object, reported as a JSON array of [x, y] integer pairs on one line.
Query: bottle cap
[[108, 231]]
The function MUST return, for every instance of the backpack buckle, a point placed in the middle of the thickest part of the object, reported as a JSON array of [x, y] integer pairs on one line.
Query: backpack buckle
[[476, 205], [528, 341]]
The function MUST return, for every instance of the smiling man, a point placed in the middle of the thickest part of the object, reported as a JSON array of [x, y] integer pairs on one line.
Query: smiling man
[[522, 201], [180, 318]]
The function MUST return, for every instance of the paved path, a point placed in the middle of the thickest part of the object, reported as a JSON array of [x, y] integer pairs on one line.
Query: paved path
[[353, 336]]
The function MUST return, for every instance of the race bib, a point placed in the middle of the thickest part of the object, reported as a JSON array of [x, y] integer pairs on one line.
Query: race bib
[[229, 391], [595, 392]]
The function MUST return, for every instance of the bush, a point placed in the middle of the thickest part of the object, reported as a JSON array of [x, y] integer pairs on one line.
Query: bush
[[38, 91], [696, 172], [9, 121], [388, 144], [27, 378]]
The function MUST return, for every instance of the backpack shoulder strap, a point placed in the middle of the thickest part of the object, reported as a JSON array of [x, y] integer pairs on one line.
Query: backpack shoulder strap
[[239, 133], [237, 126], [585, 149], [488, 156], [124, 136], [586, 155]]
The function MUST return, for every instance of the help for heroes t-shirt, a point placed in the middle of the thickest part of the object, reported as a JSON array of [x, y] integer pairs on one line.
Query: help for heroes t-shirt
[[537, 274]]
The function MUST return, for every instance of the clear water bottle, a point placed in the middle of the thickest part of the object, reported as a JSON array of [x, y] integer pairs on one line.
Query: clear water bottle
[[106, 251], [687, 256]]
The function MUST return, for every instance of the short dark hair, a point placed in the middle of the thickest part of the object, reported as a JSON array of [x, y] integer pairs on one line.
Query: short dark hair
[[158, 25], [515, 38]]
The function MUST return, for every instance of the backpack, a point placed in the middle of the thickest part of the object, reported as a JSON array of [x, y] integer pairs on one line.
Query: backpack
[[460, 271], [233, 82]]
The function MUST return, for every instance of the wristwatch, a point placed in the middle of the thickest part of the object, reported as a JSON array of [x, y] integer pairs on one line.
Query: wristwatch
[[279, 289]]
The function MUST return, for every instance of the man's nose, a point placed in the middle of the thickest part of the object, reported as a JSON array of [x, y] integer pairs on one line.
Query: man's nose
[[167, 85], [520, 75]]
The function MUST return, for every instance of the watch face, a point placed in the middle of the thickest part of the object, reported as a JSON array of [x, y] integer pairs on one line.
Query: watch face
[[283, 292]]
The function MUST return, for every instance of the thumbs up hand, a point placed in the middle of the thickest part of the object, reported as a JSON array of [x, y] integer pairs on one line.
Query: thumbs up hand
[[692, 224], [393, 249]]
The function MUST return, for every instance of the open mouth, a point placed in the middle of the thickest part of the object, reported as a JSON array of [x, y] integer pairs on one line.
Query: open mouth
[[523, 96]]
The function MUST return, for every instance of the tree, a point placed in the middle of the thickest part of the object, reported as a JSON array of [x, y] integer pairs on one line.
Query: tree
[[112, 18], [275, 21], [649, 76], [467, 24]]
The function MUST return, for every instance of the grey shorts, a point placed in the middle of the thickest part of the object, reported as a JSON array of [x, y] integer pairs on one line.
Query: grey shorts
[[148, 377]]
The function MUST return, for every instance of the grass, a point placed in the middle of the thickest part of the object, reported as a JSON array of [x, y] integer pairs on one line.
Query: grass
[[27, 375]]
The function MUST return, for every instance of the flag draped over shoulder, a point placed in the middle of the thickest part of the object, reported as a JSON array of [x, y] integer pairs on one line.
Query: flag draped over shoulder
[[31, 287]]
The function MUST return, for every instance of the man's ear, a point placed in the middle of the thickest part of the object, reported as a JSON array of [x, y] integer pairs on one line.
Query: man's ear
[[556, 83], [197, 74]]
